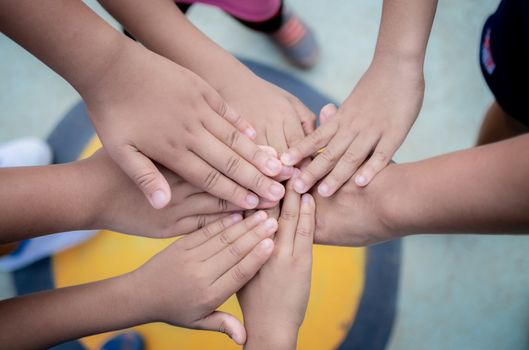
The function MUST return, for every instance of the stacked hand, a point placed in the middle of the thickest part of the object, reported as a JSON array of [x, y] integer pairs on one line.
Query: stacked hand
[[360, 140]]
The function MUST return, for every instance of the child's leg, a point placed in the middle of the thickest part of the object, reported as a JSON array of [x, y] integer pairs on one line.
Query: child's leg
[[498, 125]]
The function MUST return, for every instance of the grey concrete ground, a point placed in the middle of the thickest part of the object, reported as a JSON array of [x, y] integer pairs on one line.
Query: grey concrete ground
[[456, 292]]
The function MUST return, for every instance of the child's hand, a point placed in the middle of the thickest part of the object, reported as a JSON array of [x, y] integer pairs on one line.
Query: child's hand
[[280, 119], [185, 283], [120, 206], [366, 131], [275, 300], [148, 108]]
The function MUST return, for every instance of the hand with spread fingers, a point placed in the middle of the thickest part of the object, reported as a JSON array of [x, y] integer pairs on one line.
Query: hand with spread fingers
[[275, 300], [360, 140], [183, 285]]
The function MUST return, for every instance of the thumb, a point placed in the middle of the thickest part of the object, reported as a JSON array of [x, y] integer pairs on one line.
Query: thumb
[[142, 171], [327, 112], [225, 323]]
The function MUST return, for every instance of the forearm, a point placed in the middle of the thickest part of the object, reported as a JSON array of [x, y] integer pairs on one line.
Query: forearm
[[66, 35], [261, 339], [480, 190], [162, 28], [56, 316], [404, 30], [36, 201]]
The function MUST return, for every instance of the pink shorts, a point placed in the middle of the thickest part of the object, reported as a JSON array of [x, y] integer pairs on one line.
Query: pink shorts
[[248, 10]]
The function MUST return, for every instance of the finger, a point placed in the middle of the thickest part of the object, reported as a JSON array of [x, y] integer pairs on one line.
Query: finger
[[293, 131], [217, 103], [286, 171], [327, 112], [306, 226], [324, 162], [236, 277], [348, 164], [142, 171], [208, 231], [276, 138], [222, 322], [307, 118], [310, 144], [237, 250], [203, 175], [271, 151], [380, 158], [191, 223], [288, 220], [203, 203], [225, 238], [266, 204], [225, 133], [235, 167]]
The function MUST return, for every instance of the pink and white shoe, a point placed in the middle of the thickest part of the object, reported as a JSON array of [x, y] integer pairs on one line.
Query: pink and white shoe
[[296, 41]]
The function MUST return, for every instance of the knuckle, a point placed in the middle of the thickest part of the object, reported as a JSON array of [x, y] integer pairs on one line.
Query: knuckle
[[222, 109], [288, 214], [206, 230], [211, 180], [316, 137], [224, 238], [303, 231], [223, 205], [232, 138], [238, 274], [259, 180], [233, 165], [235, 250], [145, 179], [328, 155], [381, 156], [350, 157]]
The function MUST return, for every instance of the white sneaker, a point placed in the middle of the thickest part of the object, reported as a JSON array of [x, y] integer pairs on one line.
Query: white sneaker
[[25, 152]]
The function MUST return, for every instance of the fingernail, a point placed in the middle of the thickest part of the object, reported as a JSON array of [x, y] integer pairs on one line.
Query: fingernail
[[260, 216], [277, 190], [270, 223], [236, 218], [299, 186], [305, 199], [250, 133], [361, 180], [324, 189], [273, 165], [286, 159], [266, 245], [296, 172], [287, 171], [158, 199], [252, 200]]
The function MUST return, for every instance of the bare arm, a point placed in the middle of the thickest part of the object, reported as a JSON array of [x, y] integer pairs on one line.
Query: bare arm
[[483, 189], [479, 190], [279, 118]]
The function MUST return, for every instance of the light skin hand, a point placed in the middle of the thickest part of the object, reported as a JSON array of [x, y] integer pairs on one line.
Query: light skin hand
[[146, 108], [215, 262], [362, 137], [275, 300], [182, 285], [374, 120], [120, 206], [194, 134], [278, 117]]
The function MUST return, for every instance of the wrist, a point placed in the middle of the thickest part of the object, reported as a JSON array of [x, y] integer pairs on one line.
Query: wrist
[[276, 337], [393, 200]]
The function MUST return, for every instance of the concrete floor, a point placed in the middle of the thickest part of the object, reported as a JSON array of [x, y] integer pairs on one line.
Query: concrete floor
[[456, 292]]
